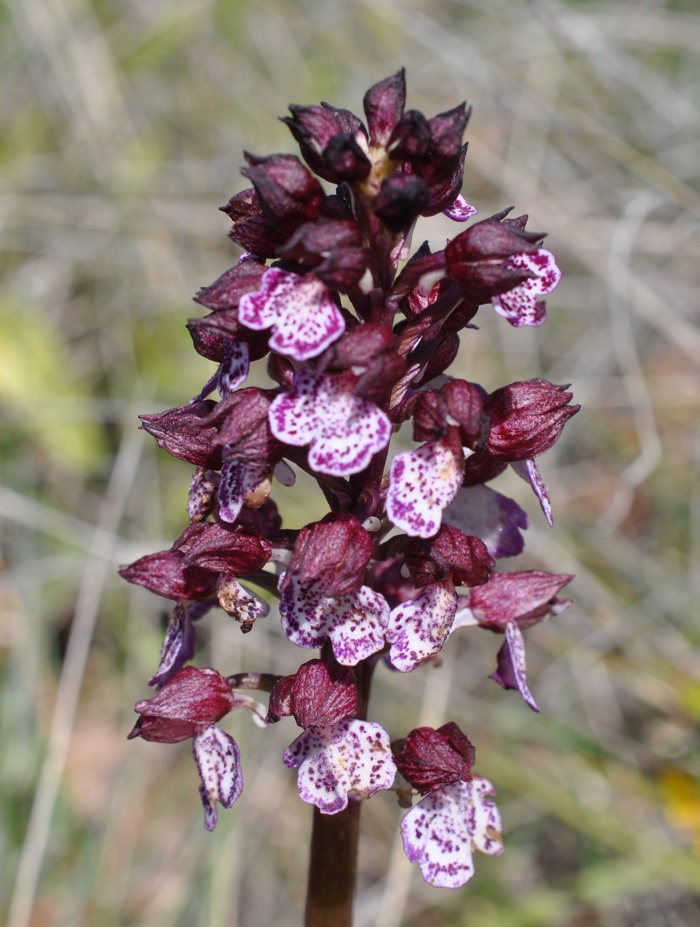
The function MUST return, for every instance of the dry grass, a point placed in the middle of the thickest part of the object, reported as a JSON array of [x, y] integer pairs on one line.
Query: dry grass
[[122, 129]]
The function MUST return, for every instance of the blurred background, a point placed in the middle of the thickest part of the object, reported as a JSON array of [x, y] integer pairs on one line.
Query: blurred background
[[122, 128]]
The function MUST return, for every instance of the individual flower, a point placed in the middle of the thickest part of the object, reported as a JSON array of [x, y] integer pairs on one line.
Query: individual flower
[[525, 420], [343, 430], [497, 260], [456, 815], [187, 707], [300, 310], [337, 756], [190, 569], [508, 604], [419, 627]]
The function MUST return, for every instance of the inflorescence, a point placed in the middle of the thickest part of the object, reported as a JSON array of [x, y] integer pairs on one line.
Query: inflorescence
[[358, 334]]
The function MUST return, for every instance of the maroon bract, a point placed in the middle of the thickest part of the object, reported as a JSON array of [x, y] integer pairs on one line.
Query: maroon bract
[[358, 337]]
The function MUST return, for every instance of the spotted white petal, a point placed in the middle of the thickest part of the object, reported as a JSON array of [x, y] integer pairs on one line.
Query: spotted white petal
[[354, 623], [442, 830], [421, 484], [459, 210], [343, 430], [522, 305], [219, 763], [303, 316], [239, 479], [351, 756], [419, 628], [234, 368]]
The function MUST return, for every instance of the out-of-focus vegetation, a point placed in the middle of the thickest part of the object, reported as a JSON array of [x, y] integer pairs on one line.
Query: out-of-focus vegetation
[[122, 131]]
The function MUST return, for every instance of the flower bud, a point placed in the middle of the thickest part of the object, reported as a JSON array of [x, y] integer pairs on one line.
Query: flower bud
[[526, 418]]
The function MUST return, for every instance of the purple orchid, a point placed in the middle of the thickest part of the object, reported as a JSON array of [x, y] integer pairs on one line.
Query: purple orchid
[[456, 815], [508, 604], [187, 707], [337, 755], [404, 555]]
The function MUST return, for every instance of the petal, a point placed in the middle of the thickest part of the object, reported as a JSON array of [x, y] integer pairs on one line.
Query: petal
[[421, 484], [511, 671], [441, 831], [233, 370], [239, 603], [238, 480], [522, 305], [343, 430], [352, 756], [459, 210], [219, 763], [301, 311], [178, 646], [354, 623], [497, 520], [419, 628], [527, 470], [296, 417], [354, 430], [358, 624], [200, 500]]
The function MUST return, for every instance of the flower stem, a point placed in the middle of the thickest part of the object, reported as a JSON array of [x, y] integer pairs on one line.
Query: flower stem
[[333, 867]]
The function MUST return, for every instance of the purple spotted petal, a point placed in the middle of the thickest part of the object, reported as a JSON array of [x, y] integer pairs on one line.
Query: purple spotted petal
[[527, 470], [178, 646], [353, 623], [511, 671], [200, 500], [496, 519], [233, 370], [419, 628], [238, 480], [421, 484], [219, 763], [333, 761], [343, 430], [300, 310], [460, 210], [442, 830], [522, 305]]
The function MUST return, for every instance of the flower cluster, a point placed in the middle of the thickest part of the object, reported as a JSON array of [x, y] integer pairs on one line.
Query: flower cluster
[[357, 334]]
